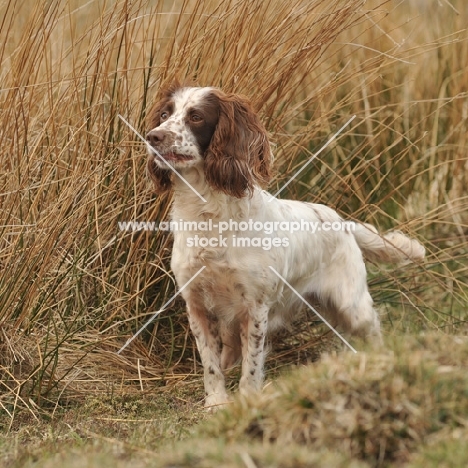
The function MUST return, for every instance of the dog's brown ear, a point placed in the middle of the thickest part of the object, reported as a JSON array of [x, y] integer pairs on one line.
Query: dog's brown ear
[[239, 155], [161, 178]]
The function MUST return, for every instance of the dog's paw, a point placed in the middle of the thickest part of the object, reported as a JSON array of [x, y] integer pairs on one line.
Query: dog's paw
[[216, 401]]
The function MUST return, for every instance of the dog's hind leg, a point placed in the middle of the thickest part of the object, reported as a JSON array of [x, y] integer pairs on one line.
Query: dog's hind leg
[[343, 289], [231, 345], [359, 318]]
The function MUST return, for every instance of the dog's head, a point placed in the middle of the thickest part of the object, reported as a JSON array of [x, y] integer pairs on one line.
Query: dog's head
[[217, 131]]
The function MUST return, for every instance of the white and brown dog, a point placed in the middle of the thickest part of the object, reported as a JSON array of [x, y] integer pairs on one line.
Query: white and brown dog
[[217, 143]]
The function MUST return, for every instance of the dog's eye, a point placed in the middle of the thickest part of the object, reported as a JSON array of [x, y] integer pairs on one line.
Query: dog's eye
[[164, 115], [196, 118]]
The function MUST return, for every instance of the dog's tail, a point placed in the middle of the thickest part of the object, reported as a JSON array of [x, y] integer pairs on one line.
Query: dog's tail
[[393, 247]]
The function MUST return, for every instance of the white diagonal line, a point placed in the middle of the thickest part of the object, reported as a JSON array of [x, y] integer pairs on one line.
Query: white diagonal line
[[157, 153], [312, 158], [314, 310], [161, 310]]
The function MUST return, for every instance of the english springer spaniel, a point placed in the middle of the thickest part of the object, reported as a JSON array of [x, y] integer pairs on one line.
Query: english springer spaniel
[[258, 252]]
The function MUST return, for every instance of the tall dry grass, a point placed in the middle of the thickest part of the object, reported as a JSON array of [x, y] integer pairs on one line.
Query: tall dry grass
[[73, 287]]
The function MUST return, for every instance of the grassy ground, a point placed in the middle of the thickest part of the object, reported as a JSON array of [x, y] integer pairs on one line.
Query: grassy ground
[[73, 288], [405, 405]]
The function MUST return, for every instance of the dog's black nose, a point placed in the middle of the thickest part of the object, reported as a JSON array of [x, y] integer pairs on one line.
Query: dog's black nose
[[155, 136]]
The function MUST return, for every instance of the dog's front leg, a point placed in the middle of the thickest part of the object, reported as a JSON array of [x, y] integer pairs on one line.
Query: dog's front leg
[[209, 347], [253, 332]]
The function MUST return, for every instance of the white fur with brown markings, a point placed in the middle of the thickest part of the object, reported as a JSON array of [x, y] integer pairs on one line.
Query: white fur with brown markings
[[237, 299]]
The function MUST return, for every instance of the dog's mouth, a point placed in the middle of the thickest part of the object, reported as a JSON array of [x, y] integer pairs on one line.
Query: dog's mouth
[[176, 157]]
